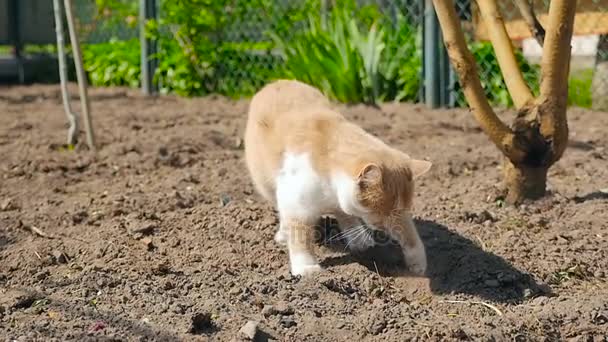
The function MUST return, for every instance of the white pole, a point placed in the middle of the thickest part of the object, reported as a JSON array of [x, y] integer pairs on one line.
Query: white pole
[[82, 81], [63, 76]]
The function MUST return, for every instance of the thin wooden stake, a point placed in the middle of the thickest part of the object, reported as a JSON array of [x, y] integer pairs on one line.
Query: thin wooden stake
[[82, 81], [63, 76]]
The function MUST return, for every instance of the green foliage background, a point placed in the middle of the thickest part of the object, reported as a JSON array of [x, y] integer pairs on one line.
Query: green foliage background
[[352, 53]]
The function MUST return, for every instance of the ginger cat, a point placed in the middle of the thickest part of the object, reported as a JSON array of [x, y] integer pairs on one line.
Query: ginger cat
[[310, 161]]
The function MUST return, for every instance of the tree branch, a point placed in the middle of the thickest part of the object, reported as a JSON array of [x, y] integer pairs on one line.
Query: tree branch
[[527, 12], [555, 65], [462, 60], [519, 90]]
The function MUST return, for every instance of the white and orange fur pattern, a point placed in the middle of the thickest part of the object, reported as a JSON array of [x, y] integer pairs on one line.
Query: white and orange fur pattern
[[309, 161]]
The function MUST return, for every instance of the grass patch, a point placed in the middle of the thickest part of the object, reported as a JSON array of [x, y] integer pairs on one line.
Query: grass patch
[[579, 88]]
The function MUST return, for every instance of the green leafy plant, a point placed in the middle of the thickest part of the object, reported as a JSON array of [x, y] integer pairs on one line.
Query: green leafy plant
[[115, 63], [203, 49], [351, 62]]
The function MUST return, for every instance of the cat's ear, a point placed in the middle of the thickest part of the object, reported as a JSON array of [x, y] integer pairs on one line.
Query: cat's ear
[[419, 167], [370, 174]]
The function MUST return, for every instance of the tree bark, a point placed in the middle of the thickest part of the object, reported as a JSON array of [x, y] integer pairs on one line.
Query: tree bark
[[464, 63], [524, 182], [519, 90], [555, 67], [527, 12]]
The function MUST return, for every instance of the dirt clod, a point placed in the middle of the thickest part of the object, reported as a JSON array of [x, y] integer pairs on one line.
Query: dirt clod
[[249, 330], [145, 229], [202, 323], [59, 257], [17, 299], [147, 241], [287, 322], [8, 204]]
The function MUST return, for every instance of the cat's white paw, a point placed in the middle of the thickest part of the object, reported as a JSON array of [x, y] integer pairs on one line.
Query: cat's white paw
[[415, 258], [281, 237], [303, 264], [360, 242]]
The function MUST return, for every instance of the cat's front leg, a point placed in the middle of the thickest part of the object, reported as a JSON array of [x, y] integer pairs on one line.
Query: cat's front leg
[[300, 242], [404, 231], [282, 235]]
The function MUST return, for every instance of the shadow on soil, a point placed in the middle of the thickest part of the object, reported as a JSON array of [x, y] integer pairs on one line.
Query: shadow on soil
[[455, 265], [5, 241]]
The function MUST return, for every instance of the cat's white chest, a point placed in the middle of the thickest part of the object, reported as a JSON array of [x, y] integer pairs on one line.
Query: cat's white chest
[[301, 191]]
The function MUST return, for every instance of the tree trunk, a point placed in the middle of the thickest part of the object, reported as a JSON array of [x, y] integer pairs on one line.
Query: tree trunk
[[539, 135], [524, 182]]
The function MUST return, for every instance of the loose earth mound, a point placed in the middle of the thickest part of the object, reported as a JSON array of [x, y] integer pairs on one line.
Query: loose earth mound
[[159, 236]]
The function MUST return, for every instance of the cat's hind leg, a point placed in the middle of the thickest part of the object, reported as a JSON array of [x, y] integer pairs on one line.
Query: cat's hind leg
[[299, 195]]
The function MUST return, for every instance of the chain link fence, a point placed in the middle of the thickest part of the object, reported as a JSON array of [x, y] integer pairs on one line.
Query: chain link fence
[[238, 46]]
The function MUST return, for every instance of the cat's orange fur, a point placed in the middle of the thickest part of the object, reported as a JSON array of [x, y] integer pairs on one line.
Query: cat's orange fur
[[308, 160]]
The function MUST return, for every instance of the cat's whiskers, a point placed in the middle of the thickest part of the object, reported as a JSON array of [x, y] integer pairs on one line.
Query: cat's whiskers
[[356, 237], [348, 232]]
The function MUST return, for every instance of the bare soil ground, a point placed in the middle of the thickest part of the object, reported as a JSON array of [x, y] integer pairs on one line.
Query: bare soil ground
[[159, 236]]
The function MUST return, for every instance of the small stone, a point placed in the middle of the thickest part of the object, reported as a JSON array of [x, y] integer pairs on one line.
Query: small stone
[[492, 283], [97, 326], [41, 275], [147, 241], [487, 216], [599, 317], [287, 322], [79, 217], [59, 257], [268, 311], [224, 200], [178, 309], [8, 205], [234, 291], [249, 330], [539, 301], [144, 230], [284, 309]]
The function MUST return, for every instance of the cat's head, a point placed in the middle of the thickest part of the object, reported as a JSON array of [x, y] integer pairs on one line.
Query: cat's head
[[385, 192]]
